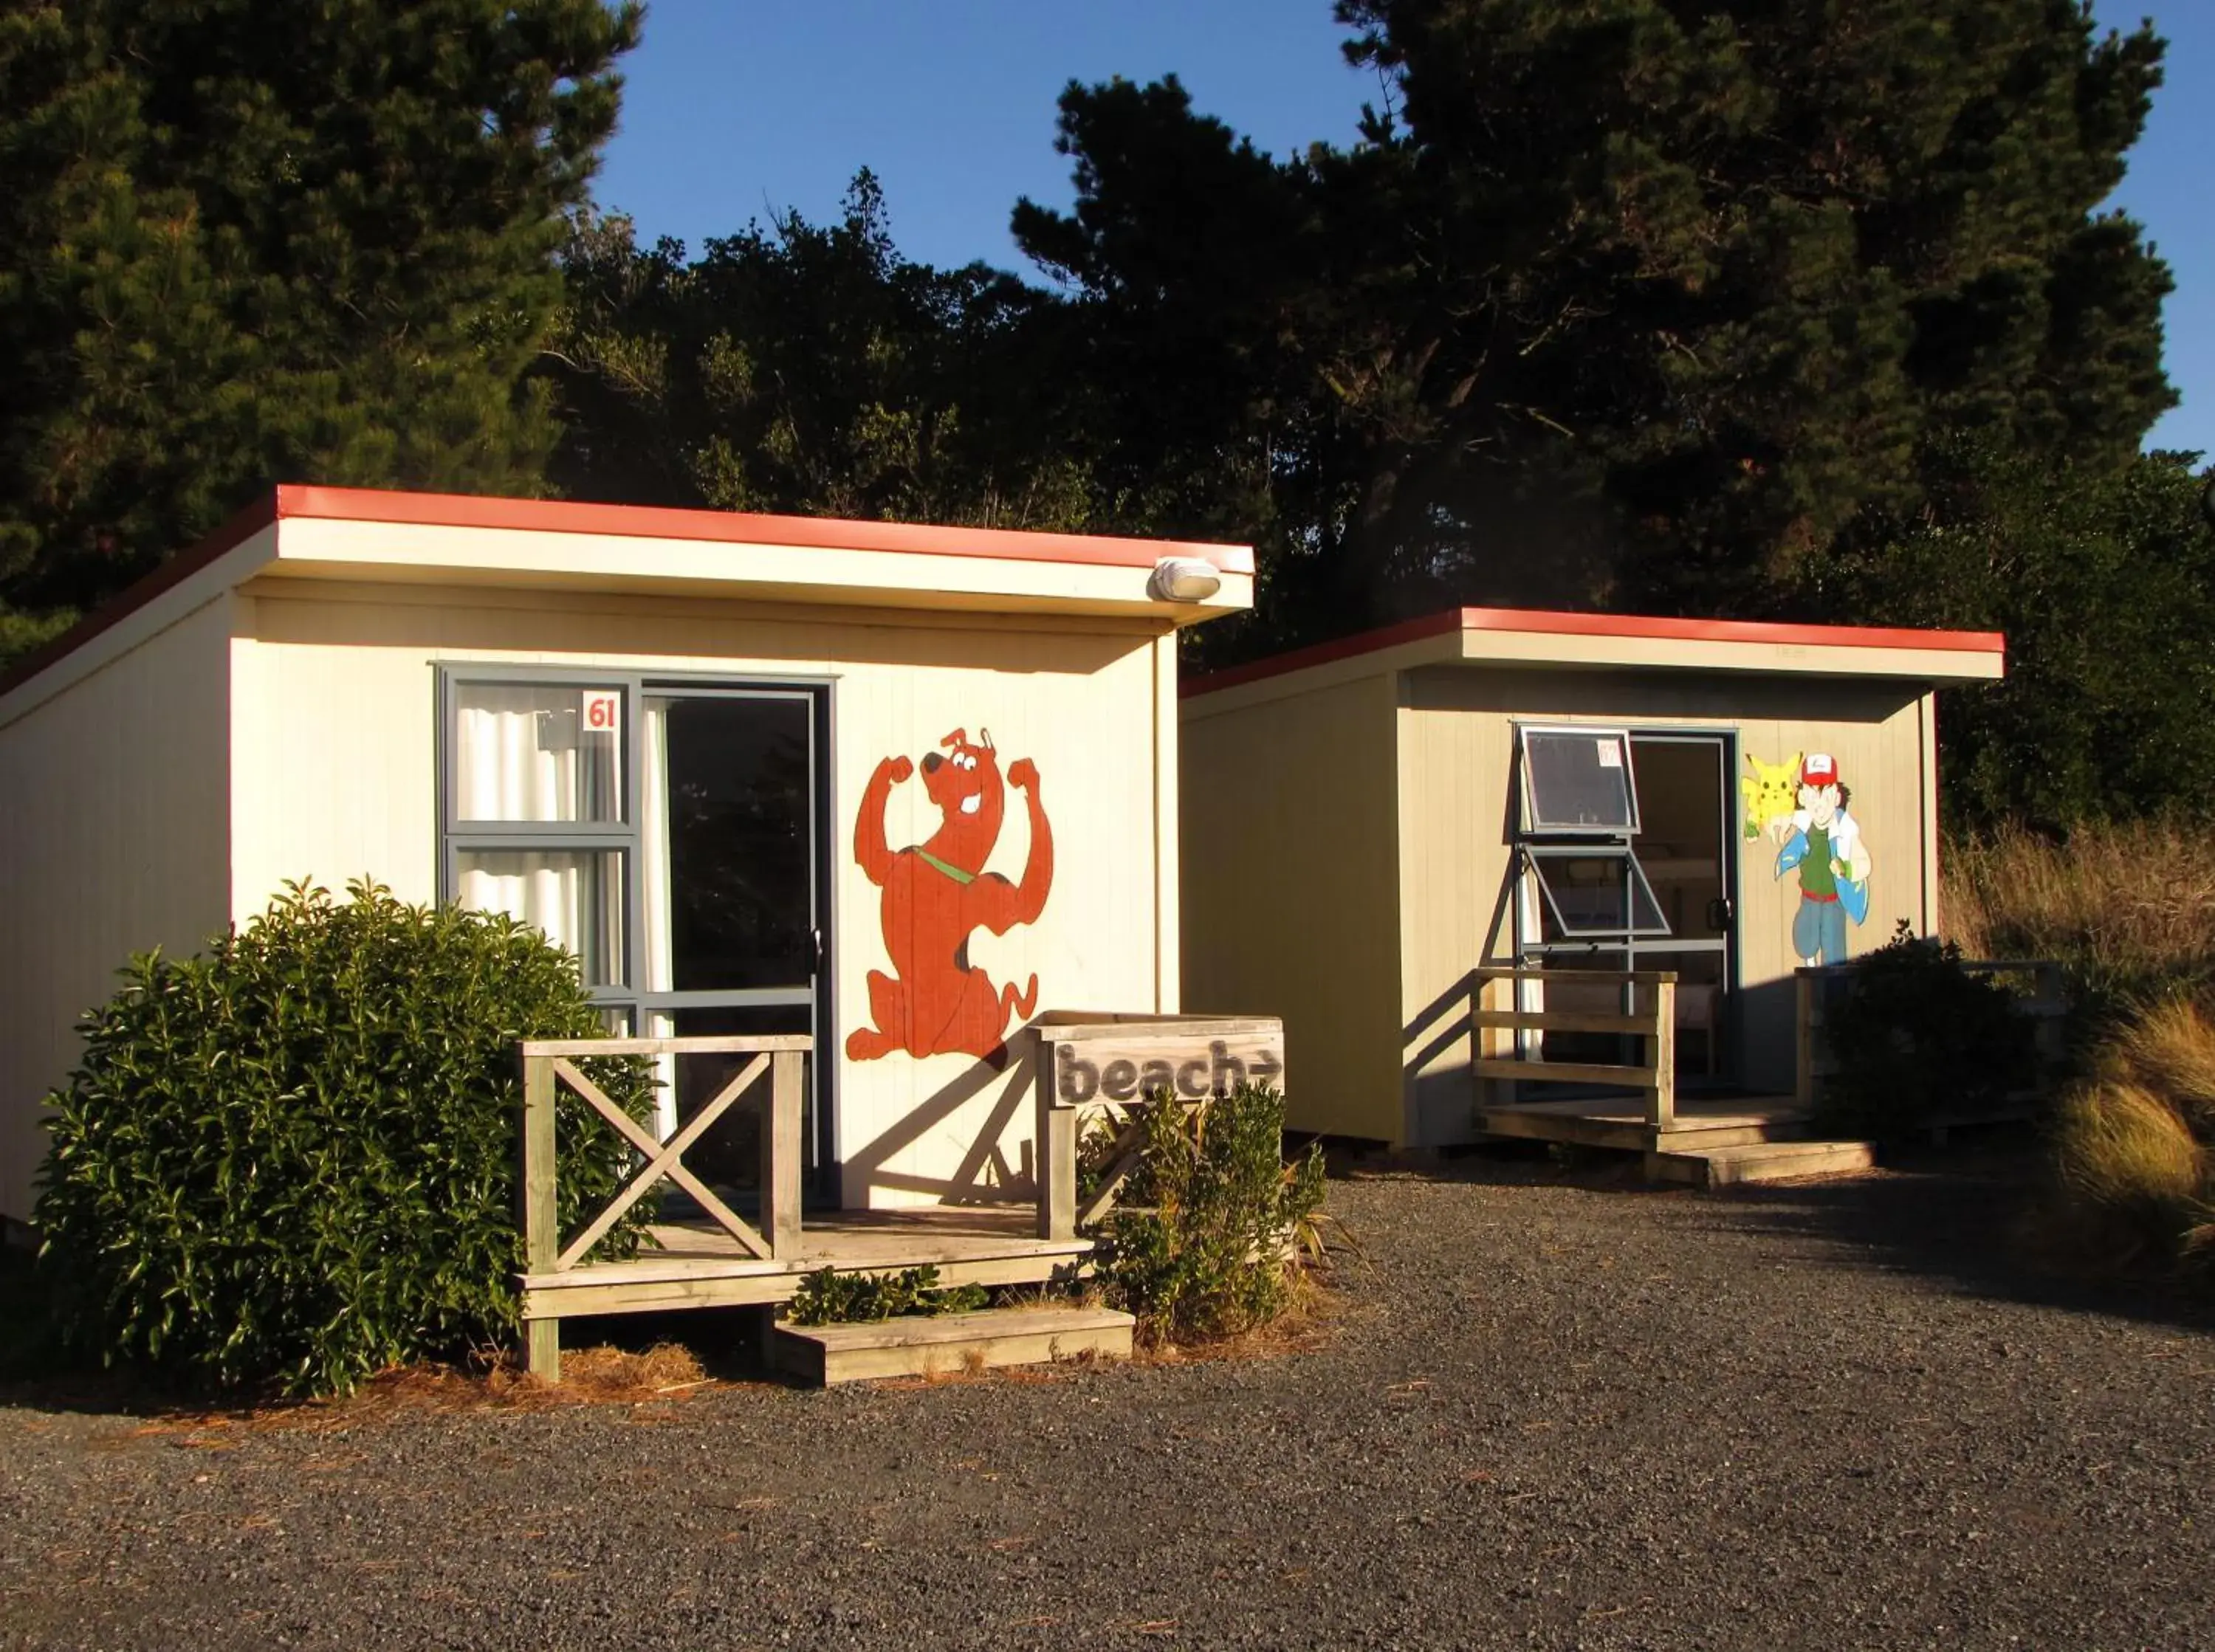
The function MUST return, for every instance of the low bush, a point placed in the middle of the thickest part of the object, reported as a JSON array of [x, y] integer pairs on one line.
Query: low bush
[[1916, 1036], [828, 1297], [2135, 1147], [294, 1157], [1212, 1225]]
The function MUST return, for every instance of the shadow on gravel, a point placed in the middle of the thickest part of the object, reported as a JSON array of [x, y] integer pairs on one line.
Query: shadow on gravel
[[1970, 1225], [1963, 1215]]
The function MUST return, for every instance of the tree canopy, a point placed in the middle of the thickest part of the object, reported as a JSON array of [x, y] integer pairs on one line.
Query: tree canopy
[[809, 369], [1638, 302], [246, 243]]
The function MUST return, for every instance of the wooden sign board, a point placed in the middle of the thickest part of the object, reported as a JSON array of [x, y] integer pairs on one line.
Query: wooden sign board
[[1091, 1060], [1192, 1058]]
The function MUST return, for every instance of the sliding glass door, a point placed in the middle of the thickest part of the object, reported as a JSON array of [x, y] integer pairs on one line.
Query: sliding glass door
[[729, 903]]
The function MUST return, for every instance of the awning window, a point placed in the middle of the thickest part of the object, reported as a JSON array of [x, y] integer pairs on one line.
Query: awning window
[[1579, 780], [1595, 892]]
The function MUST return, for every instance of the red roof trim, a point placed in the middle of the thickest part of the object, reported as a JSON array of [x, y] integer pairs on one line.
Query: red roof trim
[[1628, 626], [741, 527], [309, 502], [242, 527]]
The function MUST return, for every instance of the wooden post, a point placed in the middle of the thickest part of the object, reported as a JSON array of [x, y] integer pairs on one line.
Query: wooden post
[[1055, 1150], [1804, 1020], [1661, 1096], [780, 1154], [2051, 1035], [541, 1213]]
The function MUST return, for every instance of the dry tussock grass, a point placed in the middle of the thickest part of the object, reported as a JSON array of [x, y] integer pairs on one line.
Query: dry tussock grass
[[2135, 1141], [2129, 905]]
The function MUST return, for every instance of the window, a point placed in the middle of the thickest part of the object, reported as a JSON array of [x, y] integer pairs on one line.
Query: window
[[1581, 885], [1579, 781], [1596, 892], [668, 833]]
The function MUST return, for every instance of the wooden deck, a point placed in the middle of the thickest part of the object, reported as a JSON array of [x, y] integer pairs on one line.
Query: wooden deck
[[1623, 1122], [699, 1266]]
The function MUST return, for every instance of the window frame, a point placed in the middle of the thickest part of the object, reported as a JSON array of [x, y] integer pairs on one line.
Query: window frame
[[629, 997], [1535, 856], [1529, 821]]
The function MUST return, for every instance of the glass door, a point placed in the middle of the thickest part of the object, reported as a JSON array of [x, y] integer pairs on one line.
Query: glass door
[[1689, 856], [731, 902]]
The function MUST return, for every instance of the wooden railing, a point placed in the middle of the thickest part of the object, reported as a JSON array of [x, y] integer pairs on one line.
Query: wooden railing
[[2047, 1007], [1652, 1017], [550, 1064]]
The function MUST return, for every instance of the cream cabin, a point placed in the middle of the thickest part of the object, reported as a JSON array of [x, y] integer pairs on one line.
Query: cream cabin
[[895, 788], [1394, 840]]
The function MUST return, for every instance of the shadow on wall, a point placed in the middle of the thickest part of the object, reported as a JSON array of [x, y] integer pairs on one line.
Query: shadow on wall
[[1435, 1047], [983, 1176]]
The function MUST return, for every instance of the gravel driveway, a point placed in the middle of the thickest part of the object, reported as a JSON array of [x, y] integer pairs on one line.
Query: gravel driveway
[[1828, 1415]]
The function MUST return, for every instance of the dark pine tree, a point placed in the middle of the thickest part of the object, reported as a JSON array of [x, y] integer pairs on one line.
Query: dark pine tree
[[243, 243], [1637, 302]]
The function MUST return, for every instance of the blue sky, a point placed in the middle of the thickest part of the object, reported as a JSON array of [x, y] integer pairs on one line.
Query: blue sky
[[737, 108]]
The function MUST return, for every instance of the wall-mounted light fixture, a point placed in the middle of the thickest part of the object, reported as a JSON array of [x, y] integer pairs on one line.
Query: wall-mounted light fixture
[[1183, 579]]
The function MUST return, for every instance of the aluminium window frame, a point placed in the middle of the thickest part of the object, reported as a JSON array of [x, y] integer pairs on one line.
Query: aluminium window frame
[[629, 996], [1528, 824]]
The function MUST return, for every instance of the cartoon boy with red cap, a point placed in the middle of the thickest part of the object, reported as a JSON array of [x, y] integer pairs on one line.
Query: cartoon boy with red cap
[[1834, 862]]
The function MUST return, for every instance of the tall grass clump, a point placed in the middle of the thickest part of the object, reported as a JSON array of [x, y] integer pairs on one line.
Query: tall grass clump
[[293, 1159], [2129, 906], [2135, 1145], [1211, 1229]]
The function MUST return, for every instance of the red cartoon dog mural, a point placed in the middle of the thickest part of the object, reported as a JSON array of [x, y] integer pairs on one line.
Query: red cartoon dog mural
[[937, 893]]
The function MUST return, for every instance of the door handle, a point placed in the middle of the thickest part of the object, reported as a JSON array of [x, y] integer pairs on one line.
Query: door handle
[[1720, 913], [815, 952]]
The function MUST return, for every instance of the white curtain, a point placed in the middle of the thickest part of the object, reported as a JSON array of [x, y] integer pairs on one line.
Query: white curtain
[[657, 959], [575, 896], [523, 754]]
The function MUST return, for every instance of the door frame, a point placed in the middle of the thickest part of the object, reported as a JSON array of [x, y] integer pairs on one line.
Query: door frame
[[636, 683], [1729, 1054], [1629, 948]]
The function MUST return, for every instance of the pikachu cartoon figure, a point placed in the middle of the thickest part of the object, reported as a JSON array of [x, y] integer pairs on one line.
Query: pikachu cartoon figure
[[1770, 793]]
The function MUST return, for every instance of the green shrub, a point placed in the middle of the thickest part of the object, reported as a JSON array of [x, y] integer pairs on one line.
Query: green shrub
[[828, 1297], [1917, 1036], [295, 1157], [1206, 1240]]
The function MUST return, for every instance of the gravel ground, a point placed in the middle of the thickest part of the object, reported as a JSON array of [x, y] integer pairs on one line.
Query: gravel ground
[[1826, 1416]]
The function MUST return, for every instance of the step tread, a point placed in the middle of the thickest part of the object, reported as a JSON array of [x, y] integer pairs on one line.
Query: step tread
[[1771, 1152], [932, 1330]]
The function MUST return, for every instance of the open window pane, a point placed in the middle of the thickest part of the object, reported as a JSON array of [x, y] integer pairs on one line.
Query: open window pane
[[575, 896], [1596, 893], [524, 753], [1577, 780]]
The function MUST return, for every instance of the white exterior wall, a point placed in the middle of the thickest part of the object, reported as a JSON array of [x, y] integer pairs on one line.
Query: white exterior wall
[[114, 840], [334, 725]]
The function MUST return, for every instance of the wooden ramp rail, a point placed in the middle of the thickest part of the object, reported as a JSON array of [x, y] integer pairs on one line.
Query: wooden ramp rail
[[1496, 1022], [550, 1064]]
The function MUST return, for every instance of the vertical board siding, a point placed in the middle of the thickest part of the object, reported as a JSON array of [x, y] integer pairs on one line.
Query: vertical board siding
[[1291, 890], [112, 841], [1079, 699]]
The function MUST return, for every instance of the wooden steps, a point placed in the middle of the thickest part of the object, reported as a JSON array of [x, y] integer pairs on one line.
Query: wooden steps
[[1758, 1161], [943, 1343]]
